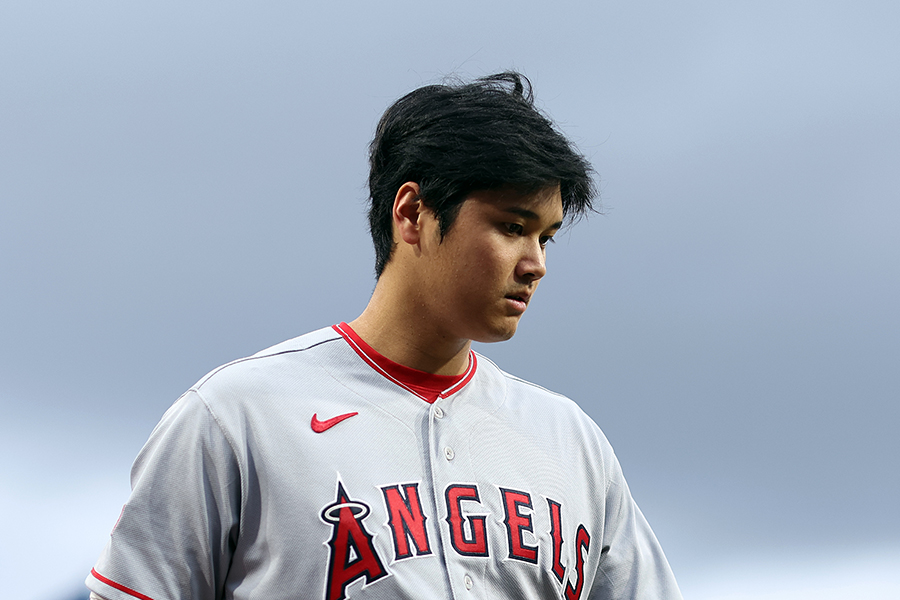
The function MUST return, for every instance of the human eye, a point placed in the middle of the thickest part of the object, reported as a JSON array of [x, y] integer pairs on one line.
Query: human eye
[[546, 239], [514, 228]]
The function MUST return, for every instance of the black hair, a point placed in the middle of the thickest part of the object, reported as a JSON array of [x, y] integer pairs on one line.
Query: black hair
[[455, 139]]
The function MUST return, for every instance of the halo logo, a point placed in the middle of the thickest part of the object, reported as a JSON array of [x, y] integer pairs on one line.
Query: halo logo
[[352, 554]]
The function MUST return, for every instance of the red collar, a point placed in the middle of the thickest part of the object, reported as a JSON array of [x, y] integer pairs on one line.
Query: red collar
[[427, 386]]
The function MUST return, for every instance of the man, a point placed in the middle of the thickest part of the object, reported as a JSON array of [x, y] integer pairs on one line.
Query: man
[[384, 458]]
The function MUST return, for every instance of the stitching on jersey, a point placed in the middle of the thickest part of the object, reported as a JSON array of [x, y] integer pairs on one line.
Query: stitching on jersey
[[496, 409], [209, 375], [601, 568], [328, 372], [520, 380], [240, 466], [600, 439], [618, 519]]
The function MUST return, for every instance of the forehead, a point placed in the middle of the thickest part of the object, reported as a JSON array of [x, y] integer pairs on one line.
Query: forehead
[[544, 204]]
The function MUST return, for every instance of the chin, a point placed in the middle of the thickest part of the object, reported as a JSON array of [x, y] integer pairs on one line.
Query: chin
[[498, 334]]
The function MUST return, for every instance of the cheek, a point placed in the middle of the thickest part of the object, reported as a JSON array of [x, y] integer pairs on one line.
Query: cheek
[[487, 272], [482, 263], [473, 262]]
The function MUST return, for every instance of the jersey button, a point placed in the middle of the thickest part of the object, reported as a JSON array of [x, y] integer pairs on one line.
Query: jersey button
[[468, 582], [448, 452], [438, 412]]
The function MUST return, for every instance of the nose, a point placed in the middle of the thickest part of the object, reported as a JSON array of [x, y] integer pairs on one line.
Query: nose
[[533, 262]]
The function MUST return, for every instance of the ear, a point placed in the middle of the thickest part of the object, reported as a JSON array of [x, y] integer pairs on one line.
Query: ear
[[407, 209]]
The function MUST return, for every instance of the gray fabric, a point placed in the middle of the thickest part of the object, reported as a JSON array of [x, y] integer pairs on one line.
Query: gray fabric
[[229, 492]]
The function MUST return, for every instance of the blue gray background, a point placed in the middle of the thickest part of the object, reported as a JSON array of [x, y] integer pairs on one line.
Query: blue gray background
[[183, 184]]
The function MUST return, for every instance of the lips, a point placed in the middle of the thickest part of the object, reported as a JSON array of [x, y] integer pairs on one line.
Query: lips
[[520, 296], [520, 299]]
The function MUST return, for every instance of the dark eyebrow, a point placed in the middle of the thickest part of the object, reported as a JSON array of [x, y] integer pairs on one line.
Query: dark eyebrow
[[527, 214]]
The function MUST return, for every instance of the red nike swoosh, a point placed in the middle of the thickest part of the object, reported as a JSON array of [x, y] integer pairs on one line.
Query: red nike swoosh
[[320, 426]]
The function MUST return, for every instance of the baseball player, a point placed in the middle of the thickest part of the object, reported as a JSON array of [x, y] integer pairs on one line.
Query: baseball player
[[383, 458]]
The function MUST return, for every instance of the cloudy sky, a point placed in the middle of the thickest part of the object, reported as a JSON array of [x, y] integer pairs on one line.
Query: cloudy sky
[[184, 185]]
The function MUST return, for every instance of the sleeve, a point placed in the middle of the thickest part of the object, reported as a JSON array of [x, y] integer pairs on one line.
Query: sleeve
[[632, 564], [179, 528]]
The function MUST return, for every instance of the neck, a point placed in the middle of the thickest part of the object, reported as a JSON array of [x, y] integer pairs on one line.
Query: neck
[[395, 325]]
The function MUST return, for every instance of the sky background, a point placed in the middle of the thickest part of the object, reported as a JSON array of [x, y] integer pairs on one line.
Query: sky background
[[182, 185]]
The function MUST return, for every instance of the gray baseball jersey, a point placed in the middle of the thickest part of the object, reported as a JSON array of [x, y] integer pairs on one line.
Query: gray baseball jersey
[[319, 469]]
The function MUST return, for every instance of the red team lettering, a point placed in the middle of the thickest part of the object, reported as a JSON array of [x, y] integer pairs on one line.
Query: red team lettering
[[556, 535], [406, 520], [582, 542], [353, 555], [475, 543], [517, 523], [349, 538]]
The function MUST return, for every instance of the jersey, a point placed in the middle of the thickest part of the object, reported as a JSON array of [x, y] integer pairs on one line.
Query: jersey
[[319, 469]]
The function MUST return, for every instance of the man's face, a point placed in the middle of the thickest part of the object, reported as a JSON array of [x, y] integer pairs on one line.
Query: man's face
[[478, 280]]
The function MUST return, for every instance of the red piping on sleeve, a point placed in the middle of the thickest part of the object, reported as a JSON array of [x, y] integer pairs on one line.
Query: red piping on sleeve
[[119, 586]]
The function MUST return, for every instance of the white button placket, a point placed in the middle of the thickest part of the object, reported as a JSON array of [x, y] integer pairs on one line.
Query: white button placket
[[445, 470]]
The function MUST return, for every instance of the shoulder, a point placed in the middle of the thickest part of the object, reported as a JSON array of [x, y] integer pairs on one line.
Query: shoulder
[[267, 383], [521, 389], [295, 352], [300, 343]]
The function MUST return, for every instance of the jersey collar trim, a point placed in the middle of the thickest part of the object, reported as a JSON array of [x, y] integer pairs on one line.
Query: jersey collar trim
[[427, 386]]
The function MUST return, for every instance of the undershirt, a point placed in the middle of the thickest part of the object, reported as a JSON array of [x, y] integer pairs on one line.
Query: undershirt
[[427, 386]]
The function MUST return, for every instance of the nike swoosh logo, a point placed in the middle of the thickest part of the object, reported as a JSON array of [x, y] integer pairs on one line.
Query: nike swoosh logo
[[320, 426]]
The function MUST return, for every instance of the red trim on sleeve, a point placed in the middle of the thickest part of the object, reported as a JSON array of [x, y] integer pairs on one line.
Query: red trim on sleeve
[[119, 586], [427, 386]]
